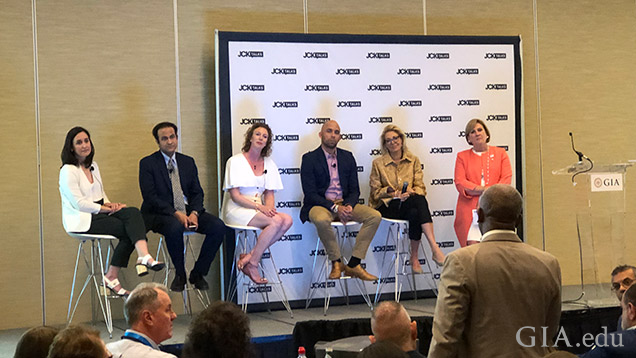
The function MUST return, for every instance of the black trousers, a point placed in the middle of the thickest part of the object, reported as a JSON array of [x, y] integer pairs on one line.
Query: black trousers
[[414, 210], [127, 225], [167, 225]]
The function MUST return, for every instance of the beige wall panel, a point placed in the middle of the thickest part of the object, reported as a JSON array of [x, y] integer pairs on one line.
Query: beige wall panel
[[373, 17], [109, 67], [587, 57], [197, 22], [20, 281], [505, 18]]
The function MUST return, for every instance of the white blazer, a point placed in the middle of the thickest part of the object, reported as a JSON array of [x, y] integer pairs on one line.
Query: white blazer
[[77, 203]]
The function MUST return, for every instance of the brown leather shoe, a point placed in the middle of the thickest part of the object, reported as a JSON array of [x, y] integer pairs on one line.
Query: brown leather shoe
[[336, 270], [360, 273]]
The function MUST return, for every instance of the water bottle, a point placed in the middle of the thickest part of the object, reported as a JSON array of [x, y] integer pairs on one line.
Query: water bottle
[[301, 352], [327, 351]]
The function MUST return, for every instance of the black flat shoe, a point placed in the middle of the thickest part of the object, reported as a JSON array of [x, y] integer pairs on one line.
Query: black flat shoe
[[178, 284], [198, 281]]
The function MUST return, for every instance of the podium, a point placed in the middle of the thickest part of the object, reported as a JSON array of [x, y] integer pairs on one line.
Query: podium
[[599, 197]]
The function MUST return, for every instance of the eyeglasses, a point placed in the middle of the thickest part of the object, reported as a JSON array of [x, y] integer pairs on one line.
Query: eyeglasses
[[391, 140], [626, 282]]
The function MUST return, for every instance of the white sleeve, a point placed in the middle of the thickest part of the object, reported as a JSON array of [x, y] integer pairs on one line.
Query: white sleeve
[[236, 173], [272, 177], [71, 190]]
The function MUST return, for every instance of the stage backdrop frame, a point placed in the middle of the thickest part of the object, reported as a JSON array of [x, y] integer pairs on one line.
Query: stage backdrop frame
[[430, 86]]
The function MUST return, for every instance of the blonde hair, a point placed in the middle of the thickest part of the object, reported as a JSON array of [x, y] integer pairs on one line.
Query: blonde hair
[[396, 129]]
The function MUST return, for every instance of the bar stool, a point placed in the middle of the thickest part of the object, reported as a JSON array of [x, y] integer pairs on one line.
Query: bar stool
[[398, 237], [100, 286], [202, 296], [342, 235], [246, 237]]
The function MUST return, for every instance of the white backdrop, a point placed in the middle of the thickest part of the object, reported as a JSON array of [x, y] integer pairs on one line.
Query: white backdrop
[[430, 90]]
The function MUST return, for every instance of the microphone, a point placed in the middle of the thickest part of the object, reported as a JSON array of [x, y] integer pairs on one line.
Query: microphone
[[265, 171], [404, 186], [333, 165], [170, 170], [92, 168], [581, 155]]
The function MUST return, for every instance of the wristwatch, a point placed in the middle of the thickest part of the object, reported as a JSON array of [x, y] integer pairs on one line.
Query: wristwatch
[[195, 213]]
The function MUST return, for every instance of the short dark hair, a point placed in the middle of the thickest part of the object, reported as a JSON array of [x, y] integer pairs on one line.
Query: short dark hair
[[222, 331], [620, 268], [68, 155], [267, 149], [155, 130], [77, 342], [471, 125], [35, 342]]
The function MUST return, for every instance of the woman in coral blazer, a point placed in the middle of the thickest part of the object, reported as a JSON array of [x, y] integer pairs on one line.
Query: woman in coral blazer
[[475, 170]]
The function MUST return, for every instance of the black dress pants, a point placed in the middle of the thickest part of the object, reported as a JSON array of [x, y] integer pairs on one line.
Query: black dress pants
[[414, 209], [127, 225]]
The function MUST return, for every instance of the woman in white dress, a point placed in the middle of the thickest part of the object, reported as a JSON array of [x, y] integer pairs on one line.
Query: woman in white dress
[[251, 177]]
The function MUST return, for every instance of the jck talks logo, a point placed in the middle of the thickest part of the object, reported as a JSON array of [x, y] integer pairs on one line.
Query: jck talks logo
[[316, 55], [285, 104], [314, 120], [467, 71], [250, 121], [440, 119], [351, 136], [496, 86], [286, 138], [410, 103], [468, 102], [409, 71], [438, 56], [349, 104], [253, 88], [441, 150], [290, 270], [436, 213], [379, 55], [292, 237], [375, 152], [380, 119], [379, 88], [497, 117], [446, 181], [250, 54], [439, 87], [414, 135], [283, 71], [495, 55], [288, 204], [288, 171], [317, 88], [348, 71]]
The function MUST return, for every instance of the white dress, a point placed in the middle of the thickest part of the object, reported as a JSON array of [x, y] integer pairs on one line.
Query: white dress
[[239, 174]]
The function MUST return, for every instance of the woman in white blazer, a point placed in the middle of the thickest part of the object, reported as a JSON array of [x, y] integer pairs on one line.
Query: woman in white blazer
[[86, 209]]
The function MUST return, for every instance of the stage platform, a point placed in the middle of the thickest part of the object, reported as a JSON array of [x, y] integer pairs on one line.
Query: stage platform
[[273, 333]]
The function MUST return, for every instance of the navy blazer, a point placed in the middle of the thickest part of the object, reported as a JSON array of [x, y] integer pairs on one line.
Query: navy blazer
[[614, 346], [314, 177], [156, 188]]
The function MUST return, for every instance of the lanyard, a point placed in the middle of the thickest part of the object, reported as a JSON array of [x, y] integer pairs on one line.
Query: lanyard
[[137, 338]]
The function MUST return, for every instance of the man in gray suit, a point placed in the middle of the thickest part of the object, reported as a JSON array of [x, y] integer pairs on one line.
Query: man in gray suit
[[495, 298]]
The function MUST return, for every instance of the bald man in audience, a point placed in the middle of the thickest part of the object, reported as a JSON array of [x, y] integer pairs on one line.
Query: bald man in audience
[[500, 290], [390, 322], [149, 314]]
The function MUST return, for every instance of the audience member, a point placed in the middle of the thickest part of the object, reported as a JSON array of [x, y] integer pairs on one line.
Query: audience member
[[390, 322], [149, 315], [384, 349], [35, 342], [222, 331], [622, 277], [489, 292], [621, 344], [78, 342]]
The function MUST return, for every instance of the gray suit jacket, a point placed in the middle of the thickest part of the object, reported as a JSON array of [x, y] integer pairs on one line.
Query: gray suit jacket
[[488, 292]]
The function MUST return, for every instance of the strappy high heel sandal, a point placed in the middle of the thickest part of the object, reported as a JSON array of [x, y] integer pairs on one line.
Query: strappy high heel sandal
[[111, 284], [143, 265]]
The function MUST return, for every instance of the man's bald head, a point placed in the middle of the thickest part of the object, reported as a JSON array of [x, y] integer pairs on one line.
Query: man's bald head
[[390, 322], [500, 207]]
